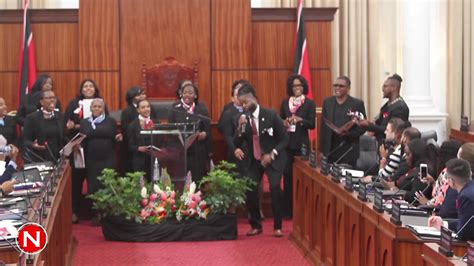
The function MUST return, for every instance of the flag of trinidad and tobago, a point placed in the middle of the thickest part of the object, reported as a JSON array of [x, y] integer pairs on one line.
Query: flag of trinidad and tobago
[[27, 70], [301, 66]]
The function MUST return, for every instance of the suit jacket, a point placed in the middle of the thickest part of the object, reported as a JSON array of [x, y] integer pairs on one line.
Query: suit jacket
[[448, 207], [272, 134], [8, 173], [398, 109], [227, 125], [307, 112], [465, 206], [352, 139], [9, 130]]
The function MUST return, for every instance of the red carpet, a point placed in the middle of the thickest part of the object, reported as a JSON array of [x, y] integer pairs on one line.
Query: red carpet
[[263, 249]]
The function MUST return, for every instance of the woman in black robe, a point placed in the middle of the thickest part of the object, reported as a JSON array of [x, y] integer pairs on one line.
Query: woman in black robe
[[138, 143], [99, 145], [43, 82], [129, 114], [188, 109], [43, 133], [75, 112]]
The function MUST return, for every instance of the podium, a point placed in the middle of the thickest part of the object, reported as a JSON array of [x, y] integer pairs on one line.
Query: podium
[[169, 144]]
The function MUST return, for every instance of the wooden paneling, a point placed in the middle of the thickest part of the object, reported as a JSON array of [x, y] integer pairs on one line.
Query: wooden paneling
[[108, 83], [66, 86], [289, 14], [56, 46], [10, 39], [231, 34], [99, 34], [9, 87], [40, 16], [273, 44], [221, 88], [153, 30], [271, 87]]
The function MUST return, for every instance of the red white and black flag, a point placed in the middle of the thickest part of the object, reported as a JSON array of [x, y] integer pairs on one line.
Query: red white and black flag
[[27, 72], [301, 49], [302, 57]]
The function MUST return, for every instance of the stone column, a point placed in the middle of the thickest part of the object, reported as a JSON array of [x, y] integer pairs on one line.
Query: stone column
[[424, 63]]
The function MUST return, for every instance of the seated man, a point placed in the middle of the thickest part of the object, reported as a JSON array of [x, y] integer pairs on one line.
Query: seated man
[[460, 179], [391, 152], [8, 167]]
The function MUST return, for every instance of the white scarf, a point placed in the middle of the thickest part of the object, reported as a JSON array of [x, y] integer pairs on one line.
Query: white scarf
[[96, 120]]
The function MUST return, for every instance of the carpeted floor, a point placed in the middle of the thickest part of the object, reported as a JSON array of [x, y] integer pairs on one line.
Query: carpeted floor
[[263, 249]]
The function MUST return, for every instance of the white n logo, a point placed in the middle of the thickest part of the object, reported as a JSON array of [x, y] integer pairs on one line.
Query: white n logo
[[35, 241]]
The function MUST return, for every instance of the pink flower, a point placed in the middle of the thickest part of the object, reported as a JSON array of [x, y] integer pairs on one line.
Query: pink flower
[[163, 196], [153, 197], [173, 194], [144, 202]]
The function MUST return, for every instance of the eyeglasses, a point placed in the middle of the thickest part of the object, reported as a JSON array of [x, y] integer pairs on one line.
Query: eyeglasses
[[298, 86], [338, 85], [49, 98]]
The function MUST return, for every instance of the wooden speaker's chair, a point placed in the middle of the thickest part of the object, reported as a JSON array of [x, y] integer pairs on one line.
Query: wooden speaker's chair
[[161, 82]]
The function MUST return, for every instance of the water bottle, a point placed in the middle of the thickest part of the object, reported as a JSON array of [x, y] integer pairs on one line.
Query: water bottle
[[156, 170]]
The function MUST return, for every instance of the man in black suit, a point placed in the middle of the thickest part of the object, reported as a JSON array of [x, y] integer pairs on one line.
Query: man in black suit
[[394, 107], [263, 131], [228, 122], [460, 179], [342, 111]]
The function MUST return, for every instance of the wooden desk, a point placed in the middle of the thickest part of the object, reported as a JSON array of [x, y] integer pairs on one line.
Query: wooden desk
[[431, 256], [58, 224], [332, 227], [461, 136]]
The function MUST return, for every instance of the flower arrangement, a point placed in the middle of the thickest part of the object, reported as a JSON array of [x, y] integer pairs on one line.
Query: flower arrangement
[[159, 205], [132, 198], [192, 204]]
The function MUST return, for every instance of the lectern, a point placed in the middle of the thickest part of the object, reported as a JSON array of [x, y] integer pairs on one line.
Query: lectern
[[169, 144]]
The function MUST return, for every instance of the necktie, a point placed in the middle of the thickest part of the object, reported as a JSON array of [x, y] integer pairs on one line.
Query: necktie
[[257, 154]]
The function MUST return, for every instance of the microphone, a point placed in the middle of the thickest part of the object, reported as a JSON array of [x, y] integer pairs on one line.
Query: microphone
[[462, 228], [186, 113], [335, 149], [416, 199], [242, 129], [343, 155], [50, 152], [401, 188], [35, 154]]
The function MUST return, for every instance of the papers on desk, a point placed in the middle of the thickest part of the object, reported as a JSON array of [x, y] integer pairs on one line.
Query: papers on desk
[[424, 230]]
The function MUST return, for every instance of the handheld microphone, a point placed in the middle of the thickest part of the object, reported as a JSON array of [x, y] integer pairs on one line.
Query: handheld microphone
[[243, 126], [462, 228]]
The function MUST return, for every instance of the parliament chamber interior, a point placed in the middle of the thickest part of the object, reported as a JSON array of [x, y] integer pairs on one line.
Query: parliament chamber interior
[[236, 132]]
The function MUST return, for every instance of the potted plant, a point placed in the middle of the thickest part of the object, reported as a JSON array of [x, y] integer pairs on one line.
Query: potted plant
[[223, 188]]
